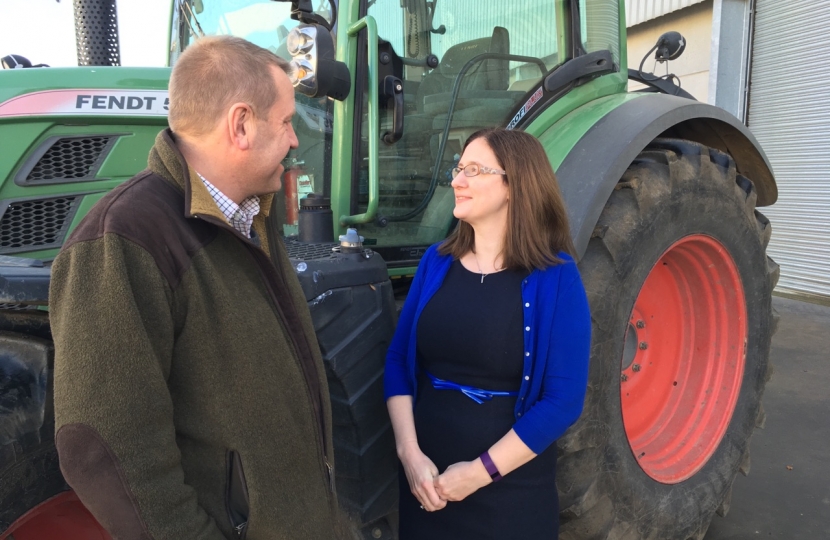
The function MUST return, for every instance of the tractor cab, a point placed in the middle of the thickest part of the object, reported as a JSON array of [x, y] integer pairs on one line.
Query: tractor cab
[[442, 70]]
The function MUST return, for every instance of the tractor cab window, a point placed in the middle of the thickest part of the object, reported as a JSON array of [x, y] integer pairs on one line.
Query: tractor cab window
[[600, 21], [267, 24], [465, 65]]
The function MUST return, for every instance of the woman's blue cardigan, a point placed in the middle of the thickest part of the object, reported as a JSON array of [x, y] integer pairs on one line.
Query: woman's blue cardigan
[[557, 343]]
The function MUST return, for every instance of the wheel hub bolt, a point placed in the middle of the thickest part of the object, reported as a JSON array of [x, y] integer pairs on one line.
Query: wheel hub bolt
[[641, 324], [624, 377], [635, 367], [643, 345]]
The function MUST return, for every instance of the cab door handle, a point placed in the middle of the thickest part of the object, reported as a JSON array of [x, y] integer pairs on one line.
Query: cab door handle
[[393, 91]]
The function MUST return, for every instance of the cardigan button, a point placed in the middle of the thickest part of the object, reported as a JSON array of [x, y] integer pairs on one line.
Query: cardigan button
[[527, 304], [527, 377], [527, 354], [527, 329], [519, 414]]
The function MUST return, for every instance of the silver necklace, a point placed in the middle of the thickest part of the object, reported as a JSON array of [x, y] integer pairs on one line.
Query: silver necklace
[[483, 275]]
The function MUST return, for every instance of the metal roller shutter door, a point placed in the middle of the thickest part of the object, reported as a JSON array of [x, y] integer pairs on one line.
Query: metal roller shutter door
[[789, 113]]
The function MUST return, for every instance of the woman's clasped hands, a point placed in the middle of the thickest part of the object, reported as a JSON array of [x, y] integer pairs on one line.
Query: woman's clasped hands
[[421, 474], [460, 480], [432, 490]]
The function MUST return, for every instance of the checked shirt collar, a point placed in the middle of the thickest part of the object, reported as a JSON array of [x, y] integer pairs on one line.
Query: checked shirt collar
[[240, 216]]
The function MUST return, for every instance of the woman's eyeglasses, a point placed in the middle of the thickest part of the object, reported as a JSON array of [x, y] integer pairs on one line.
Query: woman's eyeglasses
[[474, 169]]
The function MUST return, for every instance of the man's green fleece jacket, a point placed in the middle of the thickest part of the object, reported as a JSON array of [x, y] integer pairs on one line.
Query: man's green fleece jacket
[[190, 395]]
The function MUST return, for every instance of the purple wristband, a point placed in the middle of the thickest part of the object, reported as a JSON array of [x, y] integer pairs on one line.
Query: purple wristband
[[492, 470]]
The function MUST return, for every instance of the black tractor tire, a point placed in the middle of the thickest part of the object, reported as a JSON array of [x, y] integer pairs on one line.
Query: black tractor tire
[[29, 470], [674, 189]]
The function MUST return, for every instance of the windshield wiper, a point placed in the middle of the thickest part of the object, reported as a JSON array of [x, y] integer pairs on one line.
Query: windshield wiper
[[200, 32]]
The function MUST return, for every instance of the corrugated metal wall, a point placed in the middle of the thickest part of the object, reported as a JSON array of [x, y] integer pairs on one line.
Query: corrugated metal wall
[[640, 11], [789, 113]]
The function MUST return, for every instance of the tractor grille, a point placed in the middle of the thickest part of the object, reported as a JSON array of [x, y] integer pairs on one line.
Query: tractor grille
[[36, 224], [70, 158]]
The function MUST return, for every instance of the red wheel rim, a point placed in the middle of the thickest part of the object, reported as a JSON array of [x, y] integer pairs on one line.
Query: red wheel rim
[[684, 359], [63, 516]]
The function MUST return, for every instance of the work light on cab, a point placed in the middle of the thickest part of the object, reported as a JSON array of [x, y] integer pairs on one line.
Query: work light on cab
[[314, 71], [301, 40], [302, 74]]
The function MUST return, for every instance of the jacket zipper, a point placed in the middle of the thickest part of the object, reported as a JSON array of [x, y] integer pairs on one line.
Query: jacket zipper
[[236, 497], [257, 253], [330, 473], [328, 469]]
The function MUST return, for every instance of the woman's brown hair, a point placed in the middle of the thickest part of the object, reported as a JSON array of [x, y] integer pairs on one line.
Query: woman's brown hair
[[537, 223]]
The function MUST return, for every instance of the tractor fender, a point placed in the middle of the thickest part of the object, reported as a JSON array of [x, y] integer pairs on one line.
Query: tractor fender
[[596, 163]]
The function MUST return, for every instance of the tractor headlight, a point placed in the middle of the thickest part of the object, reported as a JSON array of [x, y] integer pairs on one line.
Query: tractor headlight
[[314, 72]]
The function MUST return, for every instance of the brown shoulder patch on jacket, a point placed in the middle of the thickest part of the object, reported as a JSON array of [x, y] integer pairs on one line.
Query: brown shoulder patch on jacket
[[149, 211], [92, 470]]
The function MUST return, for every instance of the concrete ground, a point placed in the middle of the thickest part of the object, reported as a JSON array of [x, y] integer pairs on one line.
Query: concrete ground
[[787, 493]]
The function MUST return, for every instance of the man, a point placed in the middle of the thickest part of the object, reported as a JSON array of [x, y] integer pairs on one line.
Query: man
[[190, 395]]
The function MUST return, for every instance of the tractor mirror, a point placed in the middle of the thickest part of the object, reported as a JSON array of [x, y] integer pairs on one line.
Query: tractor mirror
[[669, 46], [15, 61]]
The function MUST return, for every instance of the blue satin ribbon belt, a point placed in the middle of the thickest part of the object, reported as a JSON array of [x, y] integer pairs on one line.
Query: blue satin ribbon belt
[[478, 395]]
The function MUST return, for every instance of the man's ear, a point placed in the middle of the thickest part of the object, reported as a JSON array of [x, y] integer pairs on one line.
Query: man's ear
[[241, 125]]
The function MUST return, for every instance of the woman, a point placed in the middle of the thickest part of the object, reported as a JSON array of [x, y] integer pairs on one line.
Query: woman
[[489, 363]]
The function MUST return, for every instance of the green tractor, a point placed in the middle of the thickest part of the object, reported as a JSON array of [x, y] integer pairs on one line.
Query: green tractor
[[662, 193]]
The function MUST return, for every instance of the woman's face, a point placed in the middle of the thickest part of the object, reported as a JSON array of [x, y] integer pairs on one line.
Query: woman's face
[[481, 198]]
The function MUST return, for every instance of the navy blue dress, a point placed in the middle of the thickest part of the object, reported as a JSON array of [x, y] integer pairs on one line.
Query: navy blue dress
[[471, 333]]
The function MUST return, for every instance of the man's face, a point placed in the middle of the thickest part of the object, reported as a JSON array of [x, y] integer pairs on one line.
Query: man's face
[[274, 138]]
